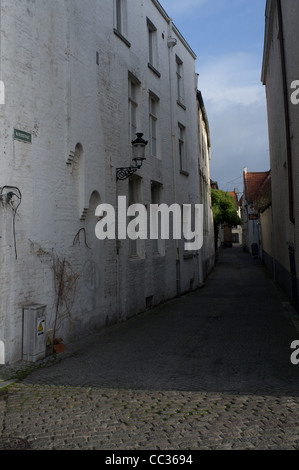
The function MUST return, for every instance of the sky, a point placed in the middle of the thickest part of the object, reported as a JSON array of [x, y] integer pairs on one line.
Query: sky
[[228, 38]]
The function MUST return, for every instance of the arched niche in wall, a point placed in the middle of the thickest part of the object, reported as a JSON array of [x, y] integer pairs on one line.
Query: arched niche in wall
[[76, 163], [74, 155]]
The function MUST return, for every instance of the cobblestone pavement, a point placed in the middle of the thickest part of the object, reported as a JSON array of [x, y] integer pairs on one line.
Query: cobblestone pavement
[[210, 370]]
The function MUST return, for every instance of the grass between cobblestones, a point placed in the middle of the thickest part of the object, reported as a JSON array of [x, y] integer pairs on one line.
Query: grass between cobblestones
[[22, 370]]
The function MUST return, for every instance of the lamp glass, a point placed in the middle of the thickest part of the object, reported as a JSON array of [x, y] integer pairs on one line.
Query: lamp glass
[[138, 152]]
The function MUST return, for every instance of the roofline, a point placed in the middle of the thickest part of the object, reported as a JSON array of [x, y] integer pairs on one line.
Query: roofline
[[269, 17], [174, 28], [205, 116], [258, 172]]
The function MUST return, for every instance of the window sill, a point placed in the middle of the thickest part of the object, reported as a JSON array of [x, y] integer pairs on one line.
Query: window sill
[[181, 105], [187, 255], [157, 157], [153, 69], [120, 36], [135, 258]]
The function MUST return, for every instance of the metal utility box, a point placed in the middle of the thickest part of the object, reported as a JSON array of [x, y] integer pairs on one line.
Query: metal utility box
[[34, 332]]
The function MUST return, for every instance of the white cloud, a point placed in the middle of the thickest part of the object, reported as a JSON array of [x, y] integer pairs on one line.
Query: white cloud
[[236, 107], [231, 79]]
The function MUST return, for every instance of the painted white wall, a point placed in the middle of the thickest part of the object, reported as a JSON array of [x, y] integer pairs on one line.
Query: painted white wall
[[208, 249], [284, 232], [66, 80]]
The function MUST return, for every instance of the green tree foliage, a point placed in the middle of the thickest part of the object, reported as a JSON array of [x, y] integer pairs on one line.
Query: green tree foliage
[[224, 211], [224, 208]]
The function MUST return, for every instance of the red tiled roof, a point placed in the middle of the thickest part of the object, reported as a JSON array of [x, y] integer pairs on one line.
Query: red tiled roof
[[252, 184], [263, 196], [234, 196]]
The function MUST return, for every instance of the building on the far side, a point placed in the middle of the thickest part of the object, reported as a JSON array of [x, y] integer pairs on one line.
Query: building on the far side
[[280, 76], [263, 204], [251, 225], [232, 234], [204, 155]]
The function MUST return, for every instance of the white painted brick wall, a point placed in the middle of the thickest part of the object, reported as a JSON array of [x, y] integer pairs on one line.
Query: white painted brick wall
[[56, 91]]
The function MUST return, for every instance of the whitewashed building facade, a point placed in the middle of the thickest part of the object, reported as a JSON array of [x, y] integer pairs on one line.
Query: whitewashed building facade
[[204, 140], [81, 79], [280, 75]]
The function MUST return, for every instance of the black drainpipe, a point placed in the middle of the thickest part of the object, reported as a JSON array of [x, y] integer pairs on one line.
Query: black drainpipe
[[286, 112]]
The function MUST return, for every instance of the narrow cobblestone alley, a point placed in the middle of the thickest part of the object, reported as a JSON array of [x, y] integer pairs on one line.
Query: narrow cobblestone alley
[[209, 370]]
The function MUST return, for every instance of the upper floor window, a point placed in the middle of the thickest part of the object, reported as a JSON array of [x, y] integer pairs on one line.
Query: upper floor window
[[120, 20], [153, 121], [119, 15], [180, 81], [133, 106], [152, 47], [182, 149]]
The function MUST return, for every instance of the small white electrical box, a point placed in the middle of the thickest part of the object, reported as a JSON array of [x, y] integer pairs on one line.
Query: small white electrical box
[[34, 332]]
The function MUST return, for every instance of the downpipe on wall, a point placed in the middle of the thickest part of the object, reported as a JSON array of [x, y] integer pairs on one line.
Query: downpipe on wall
[[171, 42]]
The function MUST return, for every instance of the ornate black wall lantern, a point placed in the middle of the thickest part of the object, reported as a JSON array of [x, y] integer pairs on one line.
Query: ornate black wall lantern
[[139, 146]]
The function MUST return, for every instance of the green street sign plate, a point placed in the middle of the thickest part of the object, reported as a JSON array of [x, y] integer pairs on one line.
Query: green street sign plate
[[22, 136]]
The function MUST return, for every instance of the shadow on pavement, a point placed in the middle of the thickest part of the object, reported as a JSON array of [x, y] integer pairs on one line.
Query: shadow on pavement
[[233, 335]]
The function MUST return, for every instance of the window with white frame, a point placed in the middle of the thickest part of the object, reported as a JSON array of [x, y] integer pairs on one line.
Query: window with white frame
[[120, 20], [180, 81], [152, 47], [153, 123], [133, 106], [182, 148], [119, 15]]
